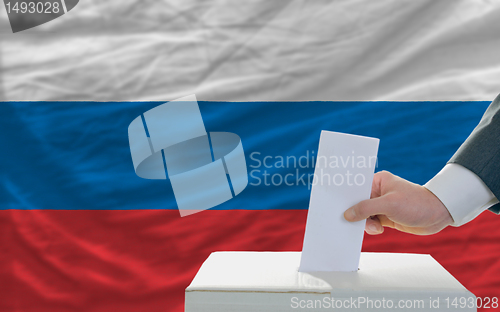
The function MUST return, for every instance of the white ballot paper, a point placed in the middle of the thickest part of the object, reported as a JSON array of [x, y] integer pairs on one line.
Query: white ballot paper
[[343, 176]]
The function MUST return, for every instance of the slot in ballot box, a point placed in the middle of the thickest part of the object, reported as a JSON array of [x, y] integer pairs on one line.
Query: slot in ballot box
[[271, 282]]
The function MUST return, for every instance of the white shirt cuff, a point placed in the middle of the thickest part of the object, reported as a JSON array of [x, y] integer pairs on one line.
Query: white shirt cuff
[[462, 192]]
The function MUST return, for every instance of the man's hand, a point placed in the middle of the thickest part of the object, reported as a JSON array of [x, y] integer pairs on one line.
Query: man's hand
[[401, 205]]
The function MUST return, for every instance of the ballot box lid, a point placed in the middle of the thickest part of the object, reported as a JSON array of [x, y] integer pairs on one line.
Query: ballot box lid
[[271, 282], [278, 272]]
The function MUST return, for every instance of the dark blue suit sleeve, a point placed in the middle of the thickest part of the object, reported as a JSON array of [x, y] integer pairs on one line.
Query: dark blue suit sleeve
[[480, 153]]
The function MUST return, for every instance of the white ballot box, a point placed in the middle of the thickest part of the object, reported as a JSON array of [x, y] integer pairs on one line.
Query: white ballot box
[[271, 282]]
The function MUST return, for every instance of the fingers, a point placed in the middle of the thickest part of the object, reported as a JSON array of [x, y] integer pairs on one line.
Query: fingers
[[376, 188], [369, 207], [373, 226], [380, 179], [386, 221]]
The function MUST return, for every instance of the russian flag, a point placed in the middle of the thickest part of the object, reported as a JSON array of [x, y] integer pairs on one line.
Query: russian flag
[[80, 231]]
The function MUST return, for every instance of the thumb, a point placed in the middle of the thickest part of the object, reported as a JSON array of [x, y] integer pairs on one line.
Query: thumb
[[367, 208]]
